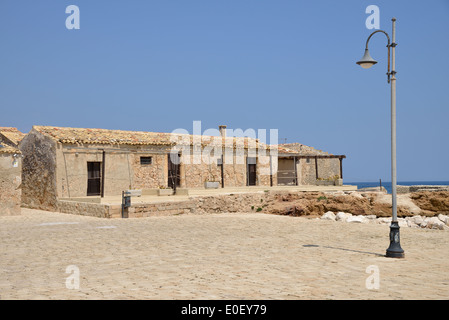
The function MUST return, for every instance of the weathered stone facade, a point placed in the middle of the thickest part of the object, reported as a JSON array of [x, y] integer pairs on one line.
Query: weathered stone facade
[[39, 189], [314, 166], [10, 180], [56, 162], [75, 162]]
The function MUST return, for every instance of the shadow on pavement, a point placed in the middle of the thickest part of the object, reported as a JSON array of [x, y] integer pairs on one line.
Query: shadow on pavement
[[344, 249]]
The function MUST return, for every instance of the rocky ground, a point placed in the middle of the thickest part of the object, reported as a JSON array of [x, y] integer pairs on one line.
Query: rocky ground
[[441, 222], [425, 204]]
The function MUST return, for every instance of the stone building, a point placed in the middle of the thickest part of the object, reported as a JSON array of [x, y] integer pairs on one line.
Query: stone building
[[312, 166], [10, 171], [10, 179], [76, 162]]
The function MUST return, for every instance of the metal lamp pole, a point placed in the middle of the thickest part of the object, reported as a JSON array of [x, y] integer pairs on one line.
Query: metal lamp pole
[[394, 250]]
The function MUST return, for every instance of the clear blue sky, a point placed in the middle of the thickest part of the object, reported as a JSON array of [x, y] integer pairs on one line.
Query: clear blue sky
[[159, 65]]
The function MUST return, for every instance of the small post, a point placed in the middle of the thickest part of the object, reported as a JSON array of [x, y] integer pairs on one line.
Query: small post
[[103, 169], [126, 203], [341, 168], [222, 170]]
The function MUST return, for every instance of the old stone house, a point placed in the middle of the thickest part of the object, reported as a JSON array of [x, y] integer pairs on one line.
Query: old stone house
[[10, 179], [10, 171], [312, 166], [77, 162]]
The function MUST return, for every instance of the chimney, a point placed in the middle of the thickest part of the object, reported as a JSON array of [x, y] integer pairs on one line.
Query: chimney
[[222, 129]]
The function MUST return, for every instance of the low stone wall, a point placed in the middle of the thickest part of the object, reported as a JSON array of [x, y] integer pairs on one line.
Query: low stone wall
[[276, 202], [89, 209], [418, 188], [244, 202], [135, 211], [162, 209]]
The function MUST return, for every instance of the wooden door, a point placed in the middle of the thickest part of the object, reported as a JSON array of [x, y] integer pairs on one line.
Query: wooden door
[[286, 171], [93, 178], [251, 171], [174, 177]]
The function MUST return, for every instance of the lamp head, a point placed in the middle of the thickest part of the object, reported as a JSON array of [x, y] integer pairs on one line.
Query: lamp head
[[366, 61]]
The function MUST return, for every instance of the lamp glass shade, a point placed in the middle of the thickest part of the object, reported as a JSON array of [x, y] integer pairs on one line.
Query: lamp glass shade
[[366, 61]]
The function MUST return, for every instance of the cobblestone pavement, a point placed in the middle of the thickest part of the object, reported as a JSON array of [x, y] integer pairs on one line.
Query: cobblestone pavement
[[216, 256]]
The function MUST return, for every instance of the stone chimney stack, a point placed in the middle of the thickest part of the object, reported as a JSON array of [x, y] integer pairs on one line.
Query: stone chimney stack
[[222, 129]]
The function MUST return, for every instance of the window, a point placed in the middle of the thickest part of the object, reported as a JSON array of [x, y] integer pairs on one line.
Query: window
[[146, 160]]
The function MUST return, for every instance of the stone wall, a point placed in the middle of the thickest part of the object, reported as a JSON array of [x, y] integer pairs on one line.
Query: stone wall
[[306, 172], [39, 189], [88, 209], [377, 204], [328, 168], [195, 171], [123, 169], [55, 170], [241, 202], [417, 188], [72, 175], [234, 171], [152, 175], [197, 168], [10, 180]]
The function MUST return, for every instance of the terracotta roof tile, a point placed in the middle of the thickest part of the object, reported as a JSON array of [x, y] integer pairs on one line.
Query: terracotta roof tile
[[14, 135], [302, 149], [4, 148], [105, 136]]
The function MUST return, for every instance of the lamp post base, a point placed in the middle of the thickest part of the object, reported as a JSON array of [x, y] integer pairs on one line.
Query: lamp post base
[[395, 250]]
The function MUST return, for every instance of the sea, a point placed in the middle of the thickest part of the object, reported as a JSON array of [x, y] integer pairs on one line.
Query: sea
[[387, 184]]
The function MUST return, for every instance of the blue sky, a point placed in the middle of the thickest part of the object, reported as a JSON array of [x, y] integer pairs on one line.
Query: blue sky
[[159, 65]]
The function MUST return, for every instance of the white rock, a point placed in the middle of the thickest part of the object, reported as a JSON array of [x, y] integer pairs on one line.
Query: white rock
[[357, 195], [342, 216], [418, 220], [411, 223], [384, 220], [402, 222], [357, 219], [444, 219], [423, 224], [435, 223], [328, 216]]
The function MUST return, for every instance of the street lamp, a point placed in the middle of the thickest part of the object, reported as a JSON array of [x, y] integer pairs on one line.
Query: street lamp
[[394, 250]]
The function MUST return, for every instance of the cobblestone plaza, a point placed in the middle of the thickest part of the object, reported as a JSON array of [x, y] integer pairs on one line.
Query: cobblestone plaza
[[46, 255]]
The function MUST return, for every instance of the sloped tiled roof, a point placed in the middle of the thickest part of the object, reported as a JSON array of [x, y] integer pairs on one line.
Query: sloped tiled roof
[[283, 150], [4, 148], [105, 136], [302, 149], [12, 134]]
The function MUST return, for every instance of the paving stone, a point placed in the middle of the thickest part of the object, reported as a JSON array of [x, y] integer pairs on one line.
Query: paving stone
[[215, 256]]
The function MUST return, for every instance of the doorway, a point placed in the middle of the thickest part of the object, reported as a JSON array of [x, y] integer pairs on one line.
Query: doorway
[[287, 172], [174, 177], [94, 178], [251, 171]]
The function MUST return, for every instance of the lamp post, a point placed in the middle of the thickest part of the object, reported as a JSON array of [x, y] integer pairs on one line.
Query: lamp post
[[394, 250]]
